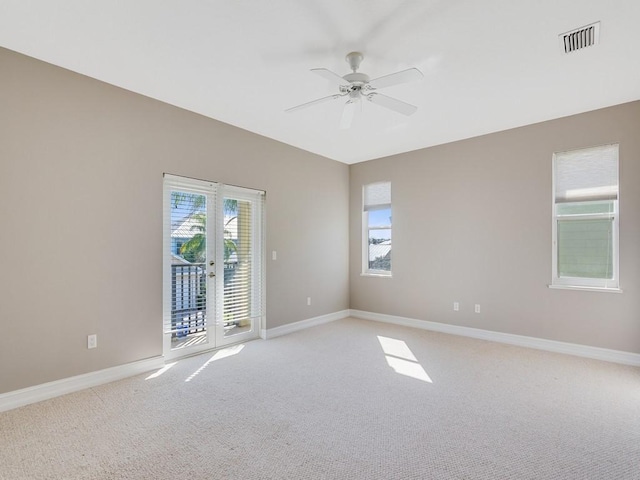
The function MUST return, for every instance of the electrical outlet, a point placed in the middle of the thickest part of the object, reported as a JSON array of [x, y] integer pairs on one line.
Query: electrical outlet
[[274, 255], [308, 301], [477, 308], [92, 341], [456, 306]]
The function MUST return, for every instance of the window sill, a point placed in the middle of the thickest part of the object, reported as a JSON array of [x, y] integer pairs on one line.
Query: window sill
[[588, 289], [377, 275]]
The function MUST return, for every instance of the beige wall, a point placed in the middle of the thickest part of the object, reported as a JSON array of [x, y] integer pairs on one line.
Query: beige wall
[[472, 223], [81, 166]]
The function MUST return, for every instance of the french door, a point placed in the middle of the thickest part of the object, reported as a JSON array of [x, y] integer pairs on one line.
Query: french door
[[213, 265]]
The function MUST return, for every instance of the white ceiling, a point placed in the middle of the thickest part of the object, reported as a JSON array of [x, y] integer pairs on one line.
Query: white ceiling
[[489, 65]]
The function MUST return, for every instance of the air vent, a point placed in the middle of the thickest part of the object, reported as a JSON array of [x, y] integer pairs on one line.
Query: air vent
[[580, 38]]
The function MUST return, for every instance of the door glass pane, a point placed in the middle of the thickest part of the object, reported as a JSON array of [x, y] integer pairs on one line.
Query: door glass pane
[[188, 269], [585, 248], [238, 266]]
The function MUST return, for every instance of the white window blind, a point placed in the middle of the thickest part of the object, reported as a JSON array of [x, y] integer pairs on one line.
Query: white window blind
[[188, 202], [587, 175], [377, 196], [241, 294]]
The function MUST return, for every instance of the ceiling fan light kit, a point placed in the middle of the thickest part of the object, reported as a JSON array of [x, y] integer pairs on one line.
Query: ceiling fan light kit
[[357, 85]]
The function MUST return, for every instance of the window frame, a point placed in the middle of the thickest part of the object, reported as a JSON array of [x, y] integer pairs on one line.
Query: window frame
[[366, 271], [587, 283]]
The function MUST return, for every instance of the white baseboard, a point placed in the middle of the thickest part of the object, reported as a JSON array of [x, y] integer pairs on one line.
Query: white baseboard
[[615, 356], [302, 324], [37, 393]]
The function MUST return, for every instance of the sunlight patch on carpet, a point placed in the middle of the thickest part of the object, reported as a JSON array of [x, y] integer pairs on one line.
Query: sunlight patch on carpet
[[220, 354], [400, 357], [161, 371]]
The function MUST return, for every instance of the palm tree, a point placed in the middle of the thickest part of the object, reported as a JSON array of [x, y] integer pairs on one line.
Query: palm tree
[[194, 249]]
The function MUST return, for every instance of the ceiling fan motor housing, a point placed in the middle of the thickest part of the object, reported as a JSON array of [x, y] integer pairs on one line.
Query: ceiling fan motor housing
[[357, 79]]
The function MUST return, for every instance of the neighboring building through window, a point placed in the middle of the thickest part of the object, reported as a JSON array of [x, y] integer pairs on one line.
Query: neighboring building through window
[[585, 218], [376, 221]]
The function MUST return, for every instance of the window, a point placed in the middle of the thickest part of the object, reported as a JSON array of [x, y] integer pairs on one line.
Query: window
[[585, 218], [376, 221]]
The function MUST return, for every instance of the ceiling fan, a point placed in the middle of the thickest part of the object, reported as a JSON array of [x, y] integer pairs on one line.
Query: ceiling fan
[[355, 86]]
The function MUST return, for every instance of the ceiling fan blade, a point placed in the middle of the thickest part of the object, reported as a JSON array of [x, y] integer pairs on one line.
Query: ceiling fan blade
[[392, 103], [313, 102], [348, 112], [331, 76], [397, 78]]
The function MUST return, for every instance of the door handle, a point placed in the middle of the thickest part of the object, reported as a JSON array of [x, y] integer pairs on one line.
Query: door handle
[[211, 274]]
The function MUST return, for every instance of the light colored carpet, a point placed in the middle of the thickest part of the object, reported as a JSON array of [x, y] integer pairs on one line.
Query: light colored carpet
[[325, 403]]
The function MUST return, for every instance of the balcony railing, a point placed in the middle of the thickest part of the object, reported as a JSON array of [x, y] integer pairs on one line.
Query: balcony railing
[[188, 299]]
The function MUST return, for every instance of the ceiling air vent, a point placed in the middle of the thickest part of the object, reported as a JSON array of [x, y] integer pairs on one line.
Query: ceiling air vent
[[580, 38]]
